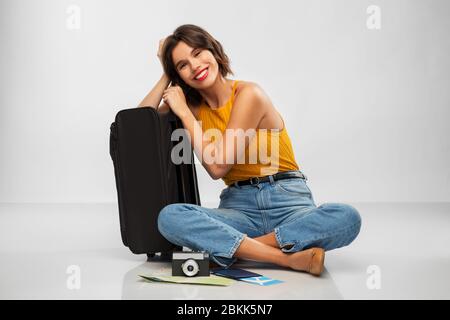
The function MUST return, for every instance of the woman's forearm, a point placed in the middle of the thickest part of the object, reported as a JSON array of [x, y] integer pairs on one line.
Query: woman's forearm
[[213, 150], [154, 97]]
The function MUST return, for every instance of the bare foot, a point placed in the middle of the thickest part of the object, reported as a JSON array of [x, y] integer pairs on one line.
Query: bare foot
[[310, 260]]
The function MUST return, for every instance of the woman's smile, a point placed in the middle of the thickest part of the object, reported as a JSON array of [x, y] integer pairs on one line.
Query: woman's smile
[[202, 75]]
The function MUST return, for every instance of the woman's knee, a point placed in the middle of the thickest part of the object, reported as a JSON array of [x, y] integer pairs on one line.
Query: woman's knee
[[345, 225], [344, 218], [350, 220], [170, 218], [351, 215]]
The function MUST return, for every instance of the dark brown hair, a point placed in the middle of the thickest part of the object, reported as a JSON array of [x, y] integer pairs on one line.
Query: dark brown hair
[[197, 38]]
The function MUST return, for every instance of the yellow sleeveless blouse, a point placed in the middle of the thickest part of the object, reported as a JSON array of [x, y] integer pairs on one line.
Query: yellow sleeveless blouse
[[264, 162]]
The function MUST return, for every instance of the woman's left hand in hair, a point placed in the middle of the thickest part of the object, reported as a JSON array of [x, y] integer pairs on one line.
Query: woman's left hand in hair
[[176, 100]]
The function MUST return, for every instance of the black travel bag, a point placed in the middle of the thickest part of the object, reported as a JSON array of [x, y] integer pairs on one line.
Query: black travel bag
[[146, 177]]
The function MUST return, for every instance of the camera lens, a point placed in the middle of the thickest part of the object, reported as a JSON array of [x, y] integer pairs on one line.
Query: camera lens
[[190, 268]]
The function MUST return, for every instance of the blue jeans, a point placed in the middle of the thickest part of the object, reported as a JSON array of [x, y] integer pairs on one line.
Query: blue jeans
[[285, 207]]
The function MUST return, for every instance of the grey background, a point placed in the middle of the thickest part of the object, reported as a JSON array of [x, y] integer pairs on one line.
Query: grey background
[[366, 110]]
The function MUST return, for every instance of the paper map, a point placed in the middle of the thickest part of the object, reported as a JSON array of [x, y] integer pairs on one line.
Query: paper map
[[211, 280]]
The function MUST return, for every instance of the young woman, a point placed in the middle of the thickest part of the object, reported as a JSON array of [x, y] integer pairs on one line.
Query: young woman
[[266, 212]]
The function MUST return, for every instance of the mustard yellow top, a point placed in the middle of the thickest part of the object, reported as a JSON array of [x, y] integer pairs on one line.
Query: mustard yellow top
[[259, 160]]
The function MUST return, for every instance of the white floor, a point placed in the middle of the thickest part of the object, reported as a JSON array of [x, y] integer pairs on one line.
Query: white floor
[[409, 243]]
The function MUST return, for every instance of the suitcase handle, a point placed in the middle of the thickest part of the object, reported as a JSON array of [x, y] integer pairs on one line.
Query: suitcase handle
[[112, 140]]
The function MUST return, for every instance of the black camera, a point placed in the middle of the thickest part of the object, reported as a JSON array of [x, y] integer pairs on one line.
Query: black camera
[[190, 264]]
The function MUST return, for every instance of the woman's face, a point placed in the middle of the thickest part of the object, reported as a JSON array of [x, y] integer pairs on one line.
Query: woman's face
[[197, 67]]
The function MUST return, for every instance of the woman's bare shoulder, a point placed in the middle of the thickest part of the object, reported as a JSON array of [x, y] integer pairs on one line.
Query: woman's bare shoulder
[[254, 89], [271, 119], [244, 84]]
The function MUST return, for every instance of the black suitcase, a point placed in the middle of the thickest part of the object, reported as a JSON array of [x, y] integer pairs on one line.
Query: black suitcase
[[146, 178]]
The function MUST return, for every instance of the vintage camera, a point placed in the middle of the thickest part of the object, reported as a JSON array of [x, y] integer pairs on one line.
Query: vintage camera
[[190, 263]]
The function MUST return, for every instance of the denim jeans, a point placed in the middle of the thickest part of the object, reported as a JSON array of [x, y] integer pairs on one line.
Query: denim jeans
[[285, 207]]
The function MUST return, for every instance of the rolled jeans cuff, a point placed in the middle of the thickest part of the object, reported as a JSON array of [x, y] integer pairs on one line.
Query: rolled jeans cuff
[[227, 261], [294, 245]]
